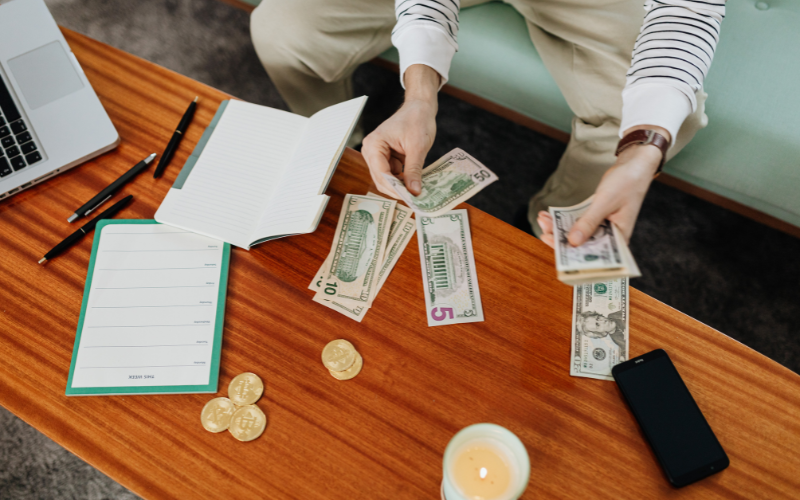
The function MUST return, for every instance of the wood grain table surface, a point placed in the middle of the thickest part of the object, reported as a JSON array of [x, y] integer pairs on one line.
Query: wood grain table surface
[[382, 434]]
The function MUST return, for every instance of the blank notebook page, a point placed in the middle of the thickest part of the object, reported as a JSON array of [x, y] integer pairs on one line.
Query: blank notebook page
[[224, 197], [296, 201]]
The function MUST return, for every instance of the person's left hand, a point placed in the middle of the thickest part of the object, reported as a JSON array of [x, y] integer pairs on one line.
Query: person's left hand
[[618, 197]]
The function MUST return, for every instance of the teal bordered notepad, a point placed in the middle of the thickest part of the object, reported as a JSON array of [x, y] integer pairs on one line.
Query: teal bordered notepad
[[156, 308]]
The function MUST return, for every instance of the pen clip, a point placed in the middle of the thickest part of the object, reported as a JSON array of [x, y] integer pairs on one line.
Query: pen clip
[[95, 207]]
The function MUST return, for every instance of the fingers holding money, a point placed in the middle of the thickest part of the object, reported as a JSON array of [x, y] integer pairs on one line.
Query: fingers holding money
[[546, 224], [408, 136], [396, 164], [378, 156]]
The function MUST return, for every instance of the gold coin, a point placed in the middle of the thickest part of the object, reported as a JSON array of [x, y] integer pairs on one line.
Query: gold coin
[[245, 389], [350, 372], [247, 423], [339, 355], [216, 414]]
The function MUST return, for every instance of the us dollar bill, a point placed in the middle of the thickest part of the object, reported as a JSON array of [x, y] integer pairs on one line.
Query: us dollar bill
[[600, 332], [450, 180], [357, 251], [353, 312], [603, 256], [401, 213], [400, 233], [394, 249], [449, 280]]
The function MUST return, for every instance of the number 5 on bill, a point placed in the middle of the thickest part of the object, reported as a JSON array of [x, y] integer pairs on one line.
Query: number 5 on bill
[[448, 269]]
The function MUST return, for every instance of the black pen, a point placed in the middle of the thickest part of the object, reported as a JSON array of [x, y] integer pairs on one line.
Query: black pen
[[173, 143], [86, 229], [108, 192]]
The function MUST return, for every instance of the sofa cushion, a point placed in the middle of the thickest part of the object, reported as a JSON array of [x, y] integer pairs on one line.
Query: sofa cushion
[[750, 151]]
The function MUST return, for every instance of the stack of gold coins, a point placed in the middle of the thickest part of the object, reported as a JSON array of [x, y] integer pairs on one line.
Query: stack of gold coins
[[239, 414], [342, 360]]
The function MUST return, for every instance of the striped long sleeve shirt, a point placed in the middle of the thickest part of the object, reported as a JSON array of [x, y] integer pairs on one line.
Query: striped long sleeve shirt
[[670, 59]]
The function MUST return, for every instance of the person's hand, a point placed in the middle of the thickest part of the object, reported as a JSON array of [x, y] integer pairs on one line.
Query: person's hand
[[618, 197], [399, 145]]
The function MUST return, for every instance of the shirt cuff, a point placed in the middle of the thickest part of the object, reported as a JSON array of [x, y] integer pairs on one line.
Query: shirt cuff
[[428, 46], [655, 104]]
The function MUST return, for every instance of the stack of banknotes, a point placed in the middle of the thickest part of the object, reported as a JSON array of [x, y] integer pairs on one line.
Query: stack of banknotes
[[599, 270], [373, 231], [370, 237], [605, 255]]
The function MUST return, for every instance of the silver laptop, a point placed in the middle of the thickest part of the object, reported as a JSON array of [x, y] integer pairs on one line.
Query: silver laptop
[[50, 118]]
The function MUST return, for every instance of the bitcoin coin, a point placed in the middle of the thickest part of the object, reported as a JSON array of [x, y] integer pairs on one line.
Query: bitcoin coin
[[245, 389], [247, 423], [216, 414], [350, 372], [339, 355]]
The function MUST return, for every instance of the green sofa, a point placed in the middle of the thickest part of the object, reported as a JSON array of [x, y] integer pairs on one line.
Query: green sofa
[[749, 153]]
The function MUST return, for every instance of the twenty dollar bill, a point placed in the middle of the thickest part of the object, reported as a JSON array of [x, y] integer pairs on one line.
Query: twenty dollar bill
[[449, 280], [600, 331], [450, 180]]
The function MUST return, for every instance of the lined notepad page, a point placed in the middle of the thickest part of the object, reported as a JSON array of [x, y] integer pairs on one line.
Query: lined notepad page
[[151, 309], [238, 171], [298, 199]]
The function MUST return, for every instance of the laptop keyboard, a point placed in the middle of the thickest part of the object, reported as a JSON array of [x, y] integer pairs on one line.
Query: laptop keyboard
[[17, 147]]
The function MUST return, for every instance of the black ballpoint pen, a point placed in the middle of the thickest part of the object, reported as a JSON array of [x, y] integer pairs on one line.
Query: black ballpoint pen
[[86, 229], [112, 188], [173, 143]]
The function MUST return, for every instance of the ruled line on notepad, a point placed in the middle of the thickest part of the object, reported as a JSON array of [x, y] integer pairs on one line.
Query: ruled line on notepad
[[148, 326], [137, 307], [135, 251], [107, 232], [156, 345], [158, 269], [127, 367], [159, 287]]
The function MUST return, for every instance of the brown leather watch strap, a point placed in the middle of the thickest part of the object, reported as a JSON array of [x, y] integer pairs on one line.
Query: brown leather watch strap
[[645, 137]]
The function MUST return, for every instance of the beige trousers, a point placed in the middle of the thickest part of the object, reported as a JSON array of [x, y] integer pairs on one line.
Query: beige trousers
[[310, 49]]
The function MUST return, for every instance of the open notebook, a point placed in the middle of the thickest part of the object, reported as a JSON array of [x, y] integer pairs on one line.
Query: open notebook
[[259, 173]]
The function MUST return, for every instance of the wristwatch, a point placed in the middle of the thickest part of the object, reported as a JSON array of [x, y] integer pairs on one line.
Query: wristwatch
[[645, 137]]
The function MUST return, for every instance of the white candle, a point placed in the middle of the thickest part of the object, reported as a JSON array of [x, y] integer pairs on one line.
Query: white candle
[[485, 462]]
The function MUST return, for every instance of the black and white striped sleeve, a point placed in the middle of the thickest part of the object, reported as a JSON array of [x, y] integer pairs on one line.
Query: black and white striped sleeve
[[670, 61], [426, 33]]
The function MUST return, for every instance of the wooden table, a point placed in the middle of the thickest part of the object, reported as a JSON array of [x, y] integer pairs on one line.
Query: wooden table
[[381, 435]]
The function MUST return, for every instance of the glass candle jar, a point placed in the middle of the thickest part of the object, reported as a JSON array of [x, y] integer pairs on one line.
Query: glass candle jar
[[485, 462]]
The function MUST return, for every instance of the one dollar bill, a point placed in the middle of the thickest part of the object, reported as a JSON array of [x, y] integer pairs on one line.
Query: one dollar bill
[[449, 181], [600, 333], [605, 255], [449, 280]]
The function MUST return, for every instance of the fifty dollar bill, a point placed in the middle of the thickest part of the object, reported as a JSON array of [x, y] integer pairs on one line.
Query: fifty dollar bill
[[600, 330], [449, 280], [450, 180]]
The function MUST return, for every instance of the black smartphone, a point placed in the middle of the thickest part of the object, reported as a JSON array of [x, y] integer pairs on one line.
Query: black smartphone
[[673, 424]]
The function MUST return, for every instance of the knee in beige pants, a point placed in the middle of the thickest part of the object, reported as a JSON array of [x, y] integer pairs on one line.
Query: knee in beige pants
[[311, 47]]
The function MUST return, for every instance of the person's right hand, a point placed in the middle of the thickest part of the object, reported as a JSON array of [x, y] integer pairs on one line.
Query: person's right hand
[[399, 145]]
